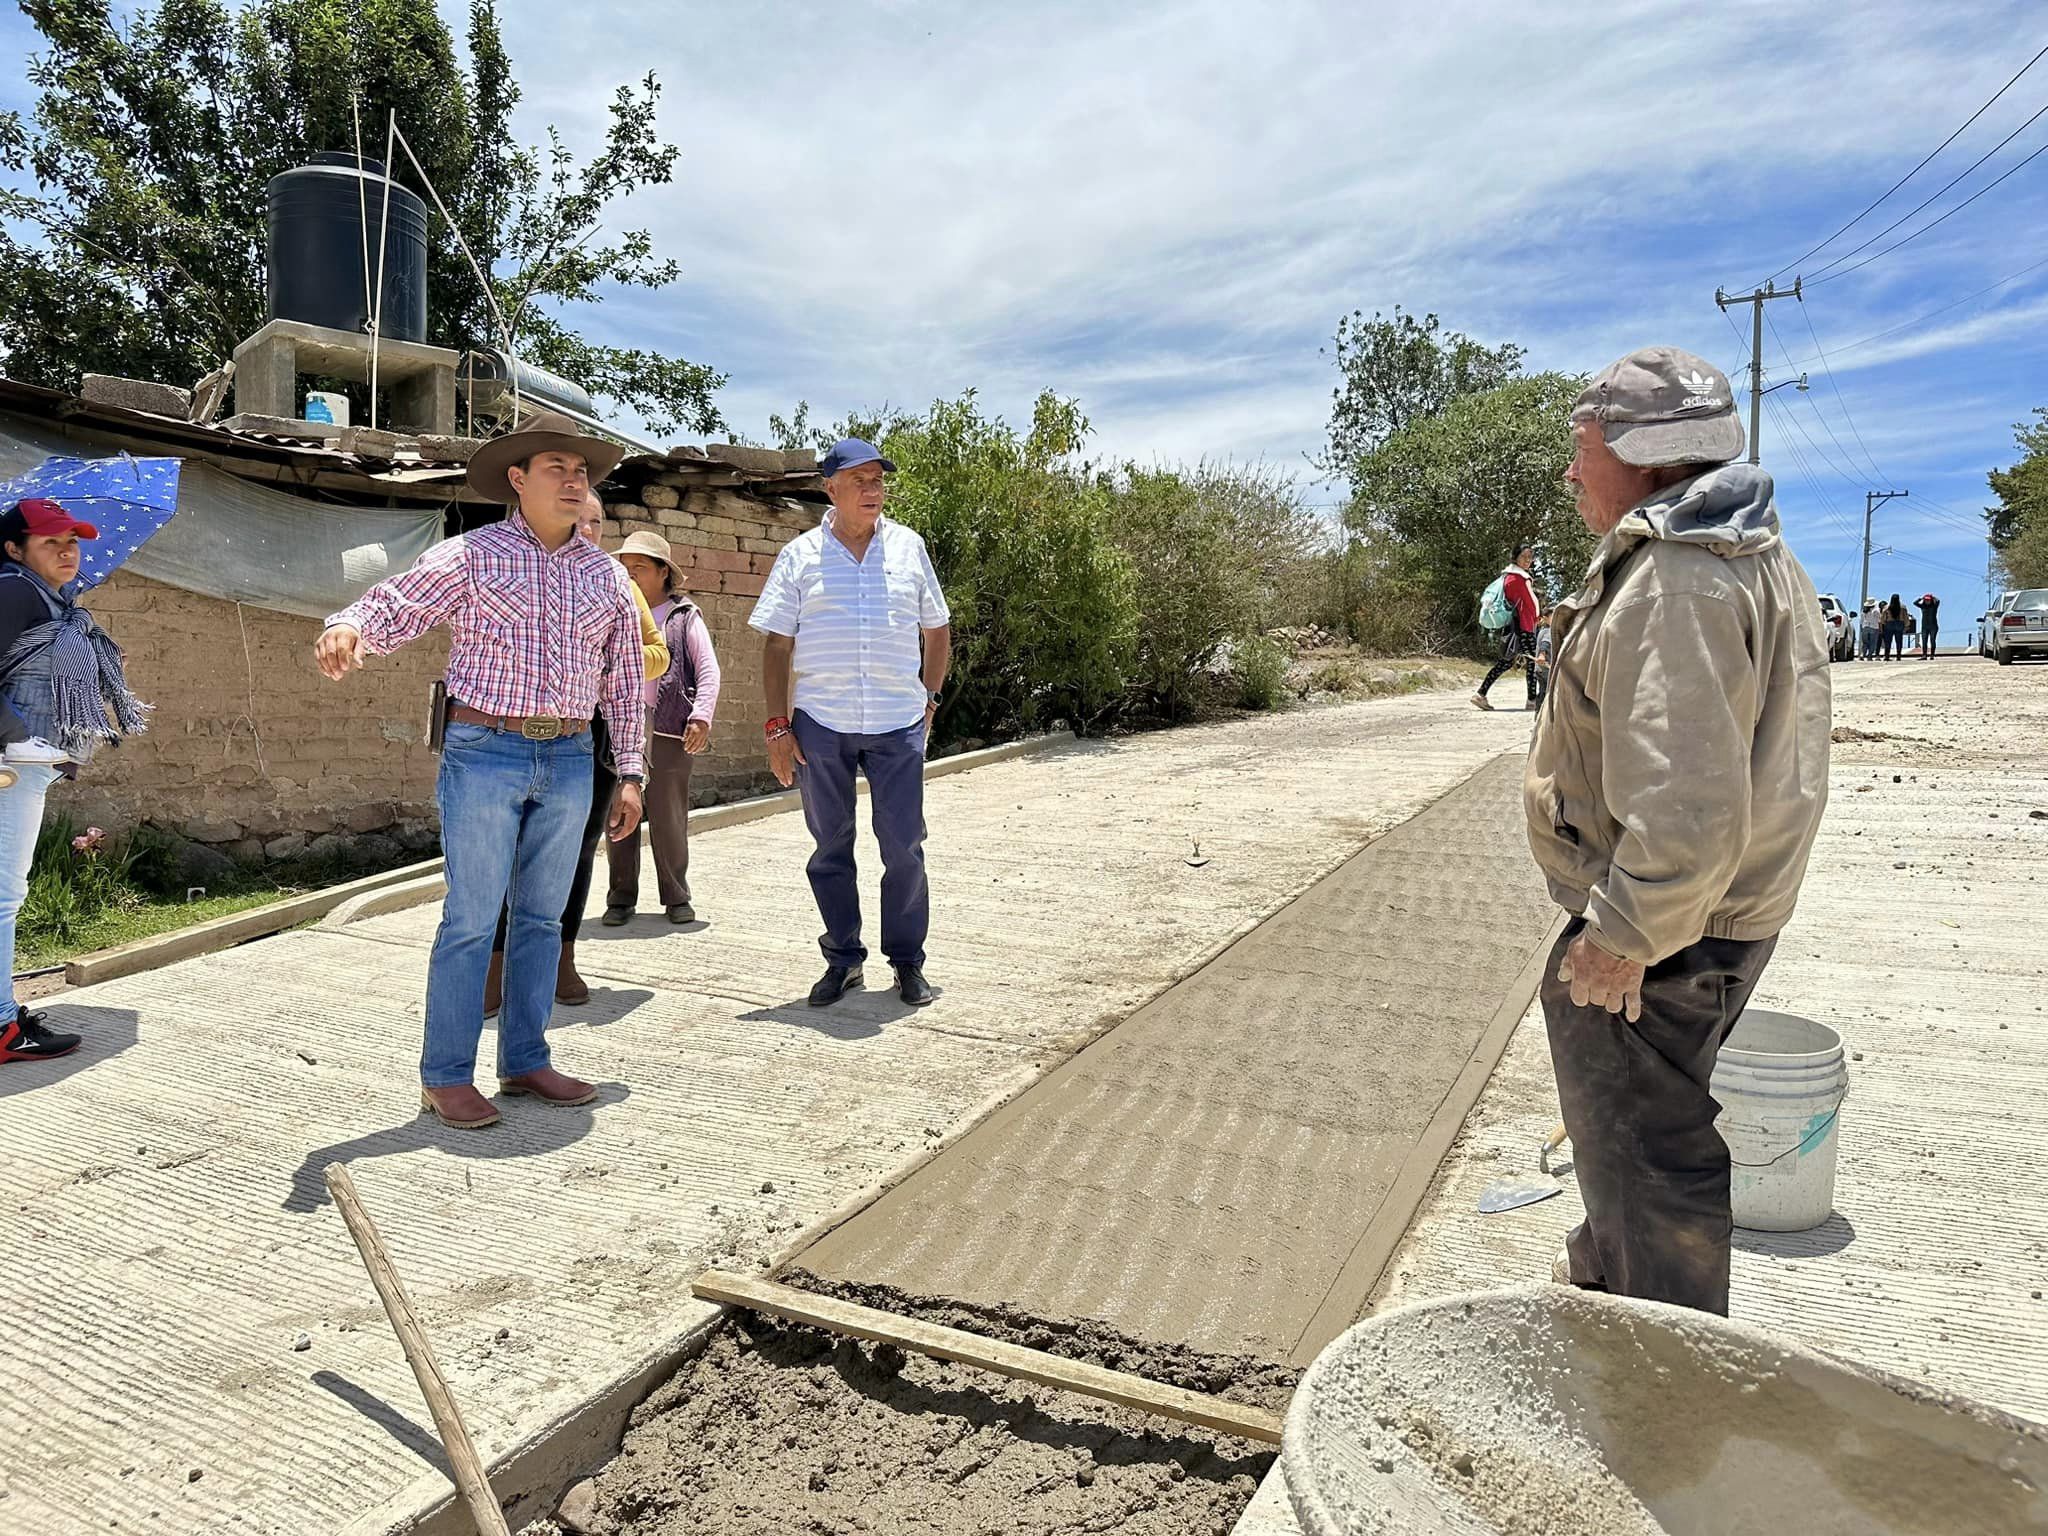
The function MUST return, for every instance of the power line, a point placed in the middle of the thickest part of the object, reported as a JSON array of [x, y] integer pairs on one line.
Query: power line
[[1953, 570], [1835, 385], [1924, 228], [1944, 309], [1944, 144]]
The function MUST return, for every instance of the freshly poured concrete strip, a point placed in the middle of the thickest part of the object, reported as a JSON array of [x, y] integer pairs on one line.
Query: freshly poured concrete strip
[[166, 1239], [1917, 938], [1203, 1172]]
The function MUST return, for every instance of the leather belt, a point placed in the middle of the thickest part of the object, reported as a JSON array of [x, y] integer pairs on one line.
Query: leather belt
[[532, 727]]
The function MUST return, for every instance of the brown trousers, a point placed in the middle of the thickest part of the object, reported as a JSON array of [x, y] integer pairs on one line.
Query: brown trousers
[[667, 821]]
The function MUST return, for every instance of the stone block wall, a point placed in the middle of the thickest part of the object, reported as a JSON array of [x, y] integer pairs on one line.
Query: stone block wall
[[725, 544], [250, 749], [253, 752]]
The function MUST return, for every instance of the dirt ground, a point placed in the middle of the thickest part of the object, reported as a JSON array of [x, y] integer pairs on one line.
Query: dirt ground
[[775, 1429]]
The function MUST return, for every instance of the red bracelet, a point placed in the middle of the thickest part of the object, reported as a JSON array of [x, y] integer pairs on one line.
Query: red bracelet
[[781, 725]]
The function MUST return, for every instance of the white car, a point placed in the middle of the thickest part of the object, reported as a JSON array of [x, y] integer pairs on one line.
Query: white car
[[1987, 622], [1841, 628], [2022, 628]]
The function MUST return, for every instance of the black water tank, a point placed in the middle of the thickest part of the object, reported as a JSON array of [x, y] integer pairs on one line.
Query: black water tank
[[316, 247]]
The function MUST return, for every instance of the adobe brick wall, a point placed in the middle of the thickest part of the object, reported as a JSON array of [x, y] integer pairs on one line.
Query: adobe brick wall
[[252, 749]]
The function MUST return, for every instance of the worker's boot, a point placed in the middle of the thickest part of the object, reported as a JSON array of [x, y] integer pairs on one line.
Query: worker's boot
[[494, 984], [569, 987]]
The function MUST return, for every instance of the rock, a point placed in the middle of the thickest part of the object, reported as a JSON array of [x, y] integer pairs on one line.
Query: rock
[[438, 449], [767, 1186], [578, 1510], [289, 846], [283, 426], [502, 1335], [247, 851], [1085, 1475], [196, 864], [762, 460], [373, 817], [301, 1344], [2037, 815], [416, 836], [137, 395], [371, 442], [374, 851], [328, 845], [210, 829], [194, 1475], [661, 497]]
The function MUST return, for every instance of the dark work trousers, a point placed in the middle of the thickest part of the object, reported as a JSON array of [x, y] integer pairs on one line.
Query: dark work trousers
[[1928, 638], [1517, 648], [894, 765], [668, 831], [1651, 1167], [604, 780]]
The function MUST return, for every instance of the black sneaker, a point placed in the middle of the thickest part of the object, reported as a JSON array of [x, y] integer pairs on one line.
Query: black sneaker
[[25, 1038], [616, 917], [837, 981], [682, 912], [912, 987]]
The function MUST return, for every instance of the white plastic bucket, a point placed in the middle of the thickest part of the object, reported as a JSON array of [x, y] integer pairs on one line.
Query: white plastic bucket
[[1780, 1081]]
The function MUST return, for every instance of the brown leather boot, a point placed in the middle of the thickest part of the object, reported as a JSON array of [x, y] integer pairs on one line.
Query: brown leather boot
[[460, 1106], [569, 987], [549, 1086], [494, 985]]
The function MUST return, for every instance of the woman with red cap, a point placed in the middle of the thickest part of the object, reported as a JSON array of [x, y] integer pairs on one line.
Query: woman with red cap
[[62, 693]]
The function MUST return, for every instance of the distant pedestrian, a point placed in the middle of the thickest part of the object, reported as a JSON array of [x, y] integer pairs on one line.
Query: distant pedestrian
[[1895, 629], [1675, 783], [544, 634], [854, 617], [1930, 623], [570, 987], [1873, 629], [680, 706], [63, 693], [1540, 672], [1508, 609]]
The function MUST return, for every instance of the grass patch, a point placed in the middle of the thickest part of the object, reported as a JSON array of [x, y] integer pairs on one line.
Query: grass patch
[[145, 919]]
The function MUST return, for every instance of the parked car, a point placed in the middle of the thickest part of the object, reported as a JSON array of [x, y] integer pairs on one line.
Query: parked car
[[2023, 627], [1988, 621], [1841, 628]]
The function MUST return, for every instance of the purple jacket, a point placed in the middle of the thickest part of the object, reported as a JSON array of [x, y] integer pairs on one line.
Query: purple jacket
[[689, 689]]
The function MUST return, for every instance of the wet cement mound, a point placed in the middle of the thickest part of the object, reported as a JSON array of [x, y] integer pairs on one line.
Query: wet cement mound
[[778, 1428]]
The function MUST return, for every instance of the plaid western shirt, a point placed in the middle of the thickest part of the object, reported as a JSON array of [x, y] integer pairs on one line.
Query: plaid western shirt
[[532, 632]]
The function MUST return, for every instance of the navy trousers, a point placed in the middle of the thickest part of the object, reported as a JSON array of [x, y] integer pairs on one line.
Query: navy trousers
[[894, 765]]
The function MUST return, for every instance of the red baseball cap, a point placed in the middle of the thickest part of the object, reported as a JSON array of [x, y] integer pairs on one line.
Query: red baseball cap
[[42, 516]]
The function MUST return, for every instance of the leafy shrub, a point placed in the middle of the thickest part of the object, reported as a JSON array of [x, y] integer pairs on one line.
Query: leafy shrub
[[76, 878], [1260, 667]]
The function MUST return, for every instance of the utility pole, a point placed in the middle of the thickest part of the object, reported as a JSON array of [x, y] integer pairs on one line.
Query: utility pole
[[1756, 348], [1870, 501]]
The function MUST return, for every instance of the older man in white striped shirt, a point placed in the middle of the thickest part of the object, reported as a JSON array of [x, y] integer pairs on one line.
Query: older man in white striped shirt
[[855, 619]]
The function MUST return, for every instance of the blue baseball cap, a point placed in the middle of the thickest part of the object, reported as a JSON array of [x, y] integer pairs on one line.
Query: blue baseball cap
[[850, 451]]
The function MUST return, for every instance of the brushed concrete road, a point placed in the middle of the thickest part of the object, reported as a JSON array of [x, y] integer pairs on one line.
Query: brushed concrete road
[[167, 1241]]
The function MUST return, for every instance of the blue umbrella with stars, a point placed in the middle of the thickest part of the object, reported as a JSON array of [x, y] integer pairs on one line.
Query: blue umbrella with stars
[[127, 499]]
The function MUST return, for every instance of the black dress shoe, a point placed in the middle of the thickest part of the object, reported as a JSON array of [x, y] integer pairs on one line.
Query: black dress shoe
[[912, 987], [616, 917], [837, 981], [682, 912]]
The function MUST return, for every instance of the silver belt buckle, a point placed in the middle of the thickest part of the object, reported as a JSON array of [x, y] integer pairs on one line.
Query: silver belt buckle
[[541, 727]]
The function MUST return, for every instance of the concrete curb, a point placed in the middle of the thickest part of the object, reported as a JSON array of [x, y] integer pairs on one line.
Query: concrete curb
[[431, 887]]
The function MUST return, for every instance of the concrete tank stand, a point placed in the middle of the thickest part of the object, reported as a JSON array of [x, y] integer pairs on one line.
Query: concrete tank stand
[[421, 378]]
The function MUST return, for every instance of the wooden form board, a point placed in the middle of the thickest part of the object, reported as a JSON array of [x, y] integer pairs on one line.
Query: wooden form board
[[877, 1326]]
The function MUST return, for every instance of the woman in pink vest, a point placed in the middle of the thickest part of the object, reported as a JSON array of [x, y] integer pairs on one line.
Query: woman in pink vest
[[680, 706]]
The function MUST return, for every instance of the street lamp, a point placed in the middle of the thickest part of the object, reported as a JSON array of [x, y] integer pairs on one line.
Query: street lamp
[[1798, 384]]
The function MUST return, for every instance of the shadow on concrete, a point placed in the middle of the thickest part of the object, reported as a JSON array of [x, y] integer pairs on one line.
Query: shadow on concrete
[[1831, 1236], [529, 1129], [607, 1005], [107, 1033], [416, 1438], [645, 925], [856, 1016]]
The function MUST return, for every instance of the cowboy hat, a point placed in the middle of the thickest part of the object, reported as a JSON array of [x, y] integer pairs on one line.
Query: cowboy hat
[[544, 432]]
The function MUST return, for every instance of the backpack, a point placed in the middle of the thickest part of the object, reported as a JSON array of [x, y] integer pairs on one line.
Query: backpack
[[1495, 611]]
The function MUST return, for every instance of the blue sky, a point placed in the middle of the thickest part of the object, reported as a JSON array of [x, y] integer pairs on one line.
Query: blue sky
[[1164, 208]]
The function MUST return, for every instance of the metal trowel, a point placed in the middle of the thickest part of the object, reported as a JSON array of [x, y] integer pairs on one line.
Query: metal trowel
[[1511, 1193]]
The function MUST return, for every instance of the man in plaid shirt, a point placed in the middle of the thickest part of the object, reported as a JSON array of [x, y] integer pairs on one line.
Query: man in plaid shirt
[[543, 634]]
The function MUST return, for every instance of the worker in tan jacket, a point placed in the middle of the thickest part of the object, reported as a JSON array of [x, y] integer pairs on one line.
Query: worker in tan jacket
[[1675, 783]]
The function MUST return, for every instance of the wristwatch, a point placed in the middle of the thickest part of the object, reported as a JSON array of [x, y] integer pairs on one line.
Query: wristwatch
[[932, 699]]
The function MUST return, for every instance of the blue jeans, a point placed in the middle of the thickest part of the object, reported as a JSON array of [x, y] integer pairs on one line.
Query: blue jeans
[[894, 765], [21, 822], [512, 815]]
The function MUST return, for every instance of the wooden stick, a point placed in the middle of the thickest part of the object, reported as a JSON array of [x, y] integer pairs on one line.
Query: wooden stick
[[881, 1327], [467, 1467]]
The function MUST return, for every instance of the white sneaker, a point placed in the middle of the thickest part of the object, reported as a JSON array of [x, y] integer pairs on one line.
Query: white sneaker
[[1561, 1267], [36, 751], [1480, 701]]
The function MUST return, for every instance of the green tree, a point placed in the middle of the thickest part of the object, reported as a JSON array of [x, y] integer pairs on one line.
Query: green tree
[[1457, 491], [152, 141], [1397, 372], [2022, 490], [1211, 548], [1044, 608]]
